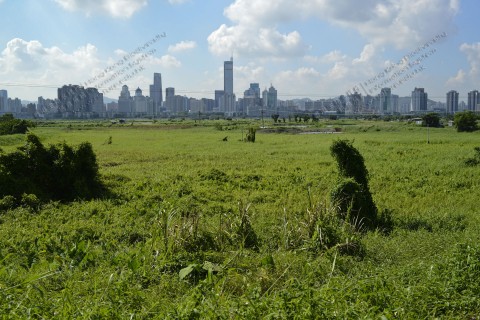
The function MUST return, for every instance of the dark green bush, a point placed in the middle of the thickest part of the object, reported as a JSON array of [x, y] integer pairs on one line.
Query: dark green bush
[[351, 197], [60, 172], [250, 135], [465, 121], [10, 125]]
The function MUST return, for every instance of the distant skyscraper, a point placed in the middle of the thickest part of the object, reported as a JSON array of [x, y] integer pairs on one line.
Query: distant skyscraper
[[473, 100], [3, 101], [272, 98], [139, 102], [169, 92], [156, 93], [385, 99], [125, 102], [419, 100], [452, 102], [219, 100], [228, 76], [229, 96]]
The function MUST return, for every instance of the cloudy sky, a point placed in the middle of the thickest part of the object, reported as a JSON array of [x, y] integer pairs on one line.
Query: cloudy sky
[[311, 48]]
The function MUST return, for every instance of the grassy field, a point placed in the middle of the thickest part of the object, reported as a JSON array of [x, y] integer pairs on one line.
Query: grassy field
[[197, 227]]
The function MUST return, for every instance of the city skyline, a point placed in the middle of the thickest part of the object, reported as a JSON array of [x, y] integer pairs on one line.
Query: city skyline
[[318, 49]]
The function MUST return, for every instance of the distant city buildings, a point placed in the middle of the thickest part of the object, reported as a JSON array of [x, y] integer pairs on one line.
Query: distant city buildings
[[75, 101], [452, 102]]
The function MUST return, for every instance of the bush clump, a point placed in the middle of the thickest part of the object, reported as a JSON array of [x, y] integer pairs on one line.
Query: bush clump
[[59, 172], [352, 197], [465, 121], [10, 125]]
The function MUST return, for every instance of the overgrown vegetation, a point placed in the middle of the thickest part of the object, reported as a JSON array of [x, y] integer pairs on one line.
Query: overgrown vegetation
[[10, 125], [196, 228], [59, 172]]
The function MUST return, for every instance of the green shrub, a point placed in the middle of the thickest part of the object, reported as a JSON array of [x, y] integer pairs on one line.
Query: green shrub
[[465, 121], [351, 197], [57, 173], [475, 160], [10, 125], [250, 135]]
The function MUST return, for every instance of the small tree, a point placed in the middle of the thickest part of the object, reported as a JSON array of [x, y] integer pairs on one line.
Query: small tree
[[275, 117], [431, 120], [465, 121]]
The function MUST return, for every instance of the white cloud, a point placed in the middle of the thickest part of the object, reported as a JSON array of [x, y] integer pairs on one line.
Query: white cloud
[[182, 46], [472, 51], [35, 70], [177, 1], [458, 79], [250, 41], [401, 23], [472, 75], [115, 8]]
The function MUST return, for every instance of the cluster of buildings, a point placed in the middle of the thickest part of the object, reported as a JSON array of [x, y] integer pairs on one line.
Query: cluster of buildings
[[75, 101]]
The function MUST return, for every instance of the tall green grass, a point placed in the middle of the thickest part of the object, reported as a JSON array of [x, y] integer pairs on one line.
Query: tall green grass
[[249, 224]]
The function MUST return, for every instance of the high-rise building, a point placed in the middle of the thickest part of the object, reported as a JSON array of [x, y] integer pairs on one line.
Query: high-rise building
[[219, 100], [156, 93], [395, 101], [228, 76], [169, 92], [419, 100], [272, 99], [139, 102], [77, 99], [452, 101], [251, 99], [473, 100], [125, 102], [95, 100], [385, 100], [229, 96], [3, 101]]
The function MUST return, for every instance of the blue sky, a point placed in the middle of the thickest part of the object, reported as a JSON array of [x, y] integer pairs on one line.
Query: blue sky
[[312, 48]]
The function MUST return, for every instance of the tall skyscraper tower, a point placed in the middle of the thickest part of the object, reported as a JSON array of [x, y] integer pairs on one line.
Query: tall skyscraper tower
[[156, 93], [452, 102], [419, 100], [473, 100], [228, 76], [229, 96]]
